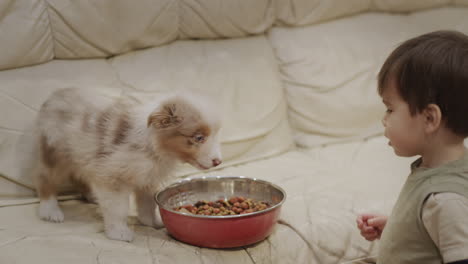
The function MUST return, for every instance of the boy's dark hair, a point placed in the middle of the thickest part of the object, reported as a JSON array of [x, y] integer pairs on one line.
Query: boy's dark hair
[[432, 69]]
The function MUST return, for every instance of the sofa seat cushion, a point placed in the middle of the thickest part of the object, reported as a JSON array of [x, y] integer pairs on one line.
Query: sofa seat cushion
[[326, 188]]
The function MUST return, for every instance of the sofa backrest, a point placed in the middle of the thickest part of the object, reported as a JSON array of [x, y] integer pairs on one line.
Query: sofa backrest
[[37, 31], [329, 70]]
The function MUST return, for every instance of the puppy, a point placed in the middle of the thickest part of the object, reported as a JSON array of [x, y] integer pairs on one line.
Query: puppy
[[116, 146]]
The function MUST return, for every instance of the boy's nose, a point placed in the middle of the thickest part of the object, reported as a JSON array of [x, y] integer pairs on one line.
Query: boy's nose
[[384, 121]]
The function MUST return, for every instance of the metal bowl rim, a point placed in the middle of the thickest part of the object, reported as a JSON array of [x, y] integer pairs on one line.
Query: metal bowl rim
[[204, 178]]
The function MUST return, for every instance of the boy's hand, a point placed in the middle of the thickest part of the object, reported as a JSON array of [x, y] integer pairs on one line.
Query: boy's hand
[[371, 225]]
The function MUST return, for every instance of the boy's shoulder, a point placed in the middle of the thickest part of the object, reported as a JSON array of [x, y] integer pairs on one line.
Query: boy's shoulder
[[444, 216]]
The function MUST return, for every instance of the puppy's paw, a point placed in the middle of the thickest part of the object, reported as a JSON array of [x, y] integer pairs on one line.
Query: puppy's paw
[[158, 223], [122, 233], [146, 220], [149, 219], [50, 211], [89, 198]]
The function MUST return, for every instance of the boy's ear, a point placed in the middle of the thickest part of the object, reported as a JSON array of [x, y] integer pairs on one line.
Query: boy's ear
[[433, 117], [165, 117]]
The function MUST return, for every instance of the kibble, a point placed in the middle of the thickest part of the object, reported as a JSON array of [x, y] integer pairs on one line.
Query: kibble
[[232, 206]]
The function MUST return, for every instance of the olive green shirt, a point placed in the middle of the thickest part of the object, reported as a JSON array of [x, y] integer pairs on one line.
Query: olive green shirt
[[405, 238]]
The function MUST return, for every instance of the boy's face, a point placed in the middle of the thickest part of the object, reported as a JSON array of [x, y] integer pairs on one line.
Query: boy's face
[[405, 132]]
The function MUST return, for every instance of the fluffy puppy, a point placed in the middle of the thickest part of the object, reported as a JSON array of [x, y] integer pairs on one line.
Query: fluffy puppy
[[116, 146]]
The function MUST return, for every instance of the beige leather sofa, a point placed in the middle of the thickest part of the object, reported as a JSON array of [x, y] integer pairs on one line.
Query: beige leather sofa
[[296, 82]]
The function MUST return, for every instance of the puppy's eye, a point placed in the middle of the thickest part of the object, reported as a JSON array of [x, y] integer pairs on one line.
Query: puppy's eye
[[199, 138]]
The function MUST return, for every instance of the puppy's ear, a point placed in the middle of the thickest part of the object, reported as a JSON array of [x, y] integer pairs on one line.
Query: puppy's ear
[[165, 117]]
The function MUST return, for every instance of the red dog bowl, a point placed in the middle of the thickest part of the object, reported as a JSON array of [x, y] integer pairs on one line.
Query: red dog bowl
[[219, 231]]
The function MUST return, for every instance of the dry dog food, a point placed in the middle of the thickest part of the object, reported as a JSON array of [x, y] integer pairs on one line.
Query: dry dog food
[[233, 206]]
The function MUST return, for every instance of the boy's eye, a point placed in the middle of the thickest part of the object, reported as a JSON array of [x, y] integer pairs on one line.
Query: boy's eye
[[388, 111]]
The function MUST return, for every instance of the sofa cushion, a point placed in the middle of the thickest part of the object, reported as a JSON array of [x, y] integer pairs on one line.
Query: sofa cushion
[[326, 188], [37, 31], [80, 239], [307, 12], [329, 70], [221, 19], [90, 29], [26, 37], [440, 19], [461, 2], [406, 6]]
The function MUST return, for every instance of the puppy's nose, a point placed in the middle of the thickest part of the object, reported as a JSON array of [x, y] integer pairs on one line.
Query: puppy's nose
[[216, 162]]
